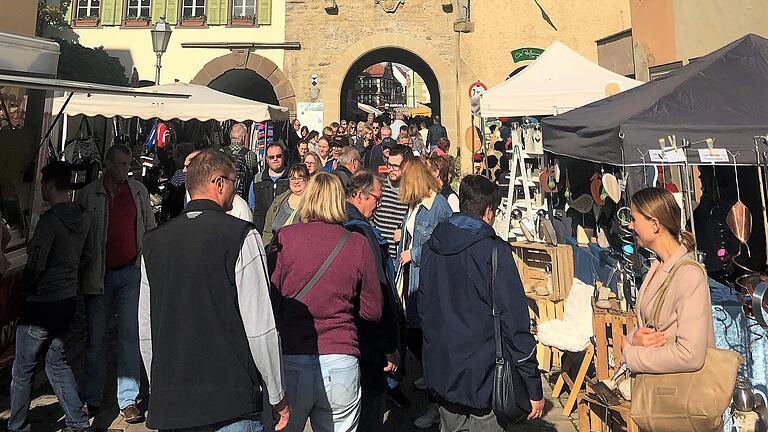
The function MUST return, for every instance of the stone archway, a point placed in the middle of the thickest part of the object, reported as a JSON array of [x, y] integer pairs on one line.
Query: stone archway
[[262, 66], [446, 77]]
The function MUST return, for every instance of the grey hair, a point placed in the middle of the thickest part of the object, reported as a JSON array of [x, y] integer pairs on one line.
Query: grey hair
[[347, 155], [362, 182], [240, 127]]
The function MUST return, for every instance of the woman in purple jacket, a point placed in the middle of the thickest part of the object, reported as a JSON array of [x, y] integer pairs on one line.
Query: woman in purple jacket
[[317, 331]]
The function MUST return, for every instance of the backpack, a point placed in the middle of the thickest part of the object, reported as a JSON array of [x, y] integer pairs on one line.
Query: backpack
[[244, 174]]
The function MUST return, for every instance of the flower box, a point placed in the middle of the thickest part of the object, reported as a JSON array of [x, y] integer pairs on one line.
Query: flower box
[[243, 21], [137, 22], [86, 22], [195, 21]]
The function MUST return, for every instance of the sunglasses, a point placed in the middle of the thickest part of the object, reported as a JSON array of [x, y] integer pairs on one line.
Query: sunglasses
[[277, 156]]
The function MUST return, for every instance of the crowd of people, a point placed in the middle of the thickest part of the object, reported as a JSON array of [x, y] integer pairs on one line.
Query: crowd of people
[[304, 283]]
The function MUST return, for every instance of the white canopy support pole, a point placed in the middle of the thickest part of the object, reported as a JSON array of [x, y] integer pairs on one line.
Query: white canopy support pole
[[64, 122]]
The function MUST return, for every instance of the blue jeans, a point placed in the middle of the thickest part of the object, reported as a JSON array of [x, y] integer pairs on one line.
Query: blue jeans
[[34, 342], [324, 389], [121, 298], [252, 424]]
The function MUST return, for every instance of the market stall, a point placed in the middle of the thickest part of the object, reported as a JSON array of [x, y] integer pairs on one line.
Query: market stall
[[707, 118]]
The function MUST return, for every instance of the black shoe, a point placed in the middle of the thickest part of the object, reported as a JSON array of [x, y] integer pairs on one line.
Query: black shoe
[[74, 429], [132, 414], [397, 397]]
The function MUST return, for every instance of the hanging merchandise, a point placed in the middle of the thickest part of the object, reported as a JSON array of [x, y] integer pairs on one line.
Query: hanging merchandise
[[595, 188], [611, 187], [567, 191], [739, 219], [152, 137], [163, 134], [84, 156]]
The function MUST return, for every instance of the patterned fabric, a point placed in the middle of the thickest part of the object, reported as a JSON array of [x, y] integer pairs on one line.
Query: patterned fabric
[[390, 215]]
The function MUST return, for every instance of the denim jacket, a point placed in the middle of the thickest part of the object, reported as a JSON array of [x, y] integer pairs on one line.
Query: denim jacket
[[430, 212]]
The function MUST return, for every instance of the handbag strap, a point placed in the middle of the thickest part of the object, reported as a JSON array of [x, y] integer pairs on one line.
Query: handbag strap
[[662, 294], [495, 311], [327, 263]]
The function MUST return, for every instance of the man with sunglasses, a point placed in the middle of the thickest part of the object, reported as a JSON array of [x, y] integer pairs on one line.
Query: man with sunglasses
[[378, 341], [274, 181]]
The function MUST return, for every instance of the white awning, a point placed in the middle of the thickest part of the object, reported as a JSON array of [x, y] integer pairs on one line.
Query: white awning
[[53, 84], [369, 109], [203, 104], [559, 80]]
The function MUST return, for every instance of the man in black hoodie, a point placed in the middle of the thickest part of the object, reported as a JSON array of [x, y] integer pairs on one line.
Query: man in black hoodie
[[455, 307], [50, 285]]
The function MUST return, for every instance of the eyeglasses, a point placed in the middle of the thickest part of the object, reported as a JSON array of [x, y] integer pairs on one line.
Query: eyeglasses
[[298, 179], [277, 156], [309, 163], [377, 197], [376, 128], [393, 166]]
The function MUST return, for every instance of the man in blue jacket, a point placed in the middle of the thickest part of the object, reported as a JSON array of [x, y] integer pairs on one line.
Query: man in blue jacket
[[455, 308]]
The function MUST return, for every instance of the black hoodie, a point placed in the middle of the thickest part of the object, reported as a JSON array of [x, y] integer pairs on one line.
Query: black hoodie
[[455, 308], [55, 254]]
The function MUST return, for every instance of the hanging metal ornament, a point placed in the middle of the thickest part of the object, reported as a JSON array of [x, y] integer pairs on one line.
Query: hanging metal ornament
[[739, 219], [567, 192]]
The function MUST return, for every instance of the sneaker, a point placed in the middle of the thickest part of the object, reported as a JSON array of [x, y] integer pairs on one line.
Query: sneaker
[[420, 384], [430, 418], [132, 414], [396, 396]]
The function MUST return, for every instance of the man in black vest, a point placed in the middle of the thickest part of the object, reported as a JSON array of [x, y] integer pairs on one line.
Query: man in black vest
[[214, 338]]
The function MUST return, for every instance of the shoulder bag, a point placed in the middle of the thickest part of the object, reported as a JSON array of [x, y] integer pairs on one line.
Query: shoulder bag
[[688, 401], [510, 400], [327, 263]]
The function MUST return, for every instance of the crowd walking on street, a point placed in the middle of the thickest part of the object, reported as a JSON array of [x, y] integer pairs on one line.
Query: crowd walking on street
[[282, 294]]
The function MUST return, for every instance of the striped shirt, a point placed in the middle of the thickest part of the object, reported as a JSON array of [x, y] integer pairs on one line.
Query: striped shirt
[[389, 216]]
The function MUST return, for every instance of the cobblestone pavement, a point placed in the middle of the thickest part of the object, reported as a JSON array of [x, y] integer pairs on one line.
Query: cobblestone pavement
[[47, 416]]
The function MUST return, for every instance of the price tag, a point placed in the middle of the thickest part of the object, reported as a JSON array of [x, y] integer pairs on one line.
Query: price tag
[[670, 156], [713, 156]]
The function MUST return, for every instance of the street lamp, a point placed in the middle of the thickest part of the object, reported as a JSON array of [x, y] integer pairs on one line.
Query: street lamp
[[161, 34]]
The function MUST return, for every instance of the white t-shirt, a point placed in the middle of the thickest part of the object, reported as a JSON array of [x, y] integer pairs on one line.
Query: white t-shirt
[[240, 209]]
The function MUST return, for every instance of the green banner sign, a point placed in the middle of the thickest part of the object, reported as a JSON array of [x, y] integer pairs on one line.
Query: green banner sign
[[523, 54]]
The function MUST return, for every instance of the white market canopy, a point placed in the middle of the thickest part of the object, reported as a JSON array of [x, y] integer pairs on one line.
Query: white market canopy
[[558, 81], [203, 104], [369, 109]]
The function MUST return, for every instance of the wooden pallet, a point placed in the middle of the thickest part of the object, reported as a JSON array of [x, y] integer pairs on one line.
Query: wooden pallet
[[594, 416], [537, 261], [543, 309], [609, 326]]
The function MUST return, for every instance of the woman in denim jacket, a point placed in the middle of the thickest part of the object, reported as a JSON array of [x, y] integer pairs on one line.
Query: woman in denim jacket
[[420, 190]]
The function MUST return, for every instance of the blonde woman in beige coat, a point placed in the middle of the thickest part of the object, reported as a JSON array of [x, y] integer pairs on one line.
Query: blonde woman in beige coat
[[684, 332]]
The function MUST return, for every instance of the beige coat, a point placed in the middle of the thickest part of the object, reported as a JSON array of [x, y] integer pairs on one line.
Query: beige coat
[[685, 318]]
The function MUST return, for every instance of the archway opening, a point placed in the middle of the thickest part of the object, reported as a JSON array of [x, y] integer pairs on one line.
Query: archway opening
[[397, 56], [247, 84]]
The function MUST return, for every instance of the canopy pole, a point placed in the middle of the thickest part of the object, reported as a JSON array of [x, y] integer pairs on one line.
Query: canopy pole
[[64, 122], [472, 144], [688, 191], [56, 120]]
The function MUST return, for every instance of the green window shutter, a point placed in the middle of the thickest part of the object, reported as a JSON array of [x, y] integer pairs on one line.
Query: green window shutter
[[158, 10], [118, 16], [265, 12], [69, 12], [108, 12], [215, 14], [172, 11]]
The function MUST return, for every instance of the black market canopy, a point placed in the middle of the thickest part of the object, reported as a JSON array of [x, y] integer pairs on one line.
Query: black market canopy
[[723, 95]]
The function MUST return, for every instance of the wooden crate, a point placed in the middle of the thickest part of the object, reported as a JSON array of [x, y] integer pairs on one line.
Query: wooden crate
[[594, 416], [609, 326], [536, 261], [544, 309]]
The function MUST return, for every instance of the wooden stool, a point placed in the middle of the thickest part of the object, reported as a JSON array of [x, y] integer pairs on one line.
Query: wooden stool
[[609, 326], [574, 384]]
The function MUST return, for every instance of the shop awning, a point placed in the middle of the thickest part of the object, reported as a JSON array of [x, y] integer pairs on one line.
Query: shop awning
[[52, 84], [418, 110], [369, 109], [202, 104], [722, 95], [558, 81]]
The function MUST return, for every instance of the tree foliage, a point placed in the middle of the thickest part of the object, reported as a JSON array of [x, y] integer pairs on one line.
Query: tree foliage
[[76, 62]]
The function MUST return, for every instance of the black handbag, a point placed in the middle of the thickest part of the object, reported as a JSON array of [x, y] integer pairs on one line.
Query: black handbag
[[510, 400]]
